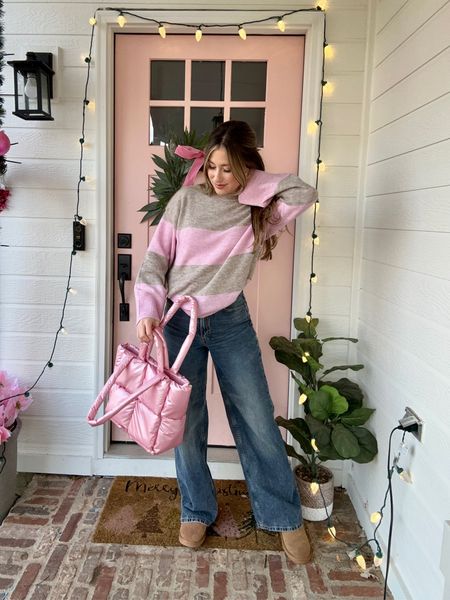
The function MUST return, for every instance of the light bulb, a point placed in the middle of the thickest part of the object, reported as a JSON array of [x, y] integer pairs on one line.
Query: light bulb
[[92, 21], [307, 354], [304, 359], [313, 277], [361, 561], [314, 487], [83, 221], [198, 34], [162, 31], [328, 88], [404, 475], [322, 167], [308, 318], [316, 240], [314, 445], [73, 291], [375, 517], [242, 33], [281, 25], [312, 127], [121, 20], [64, 331], [91, 105], [329, 51], [30, 89], [377, 559], [317, 206], [332, 531], [302, 399]]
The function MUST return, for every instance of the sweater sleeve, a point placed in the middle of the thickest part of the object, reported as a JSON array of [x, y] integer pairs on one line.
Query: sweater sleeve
[[292, 196], [150, 289]]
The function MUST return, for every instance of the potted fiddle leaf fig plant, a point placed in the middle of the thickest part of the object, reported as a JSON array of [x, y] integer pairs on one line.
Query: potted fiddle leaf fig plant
[[170, 177], [332, 427]]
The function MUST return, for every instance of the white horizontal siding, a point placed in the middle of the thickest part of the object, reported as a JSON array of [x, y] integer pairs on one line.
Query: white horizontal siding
[[403, 321]]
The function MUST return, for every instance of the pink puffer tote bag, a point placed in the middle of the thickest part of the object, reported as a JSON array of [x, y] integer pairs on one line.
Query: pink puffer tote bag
[[147, 398]]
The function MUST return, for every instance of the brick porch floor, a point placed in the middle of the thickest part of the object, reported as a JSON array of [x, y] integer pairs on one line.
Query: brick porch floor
[[46, 554]]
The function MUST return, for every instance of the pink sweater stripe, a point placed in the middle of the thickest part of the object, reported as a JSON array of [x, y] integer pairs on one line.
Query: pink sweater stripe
[[214, 247]]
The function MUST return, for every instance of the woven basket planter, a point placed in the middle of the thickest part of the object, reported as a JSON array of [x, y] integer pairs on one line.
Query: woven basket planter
[[315, 507]]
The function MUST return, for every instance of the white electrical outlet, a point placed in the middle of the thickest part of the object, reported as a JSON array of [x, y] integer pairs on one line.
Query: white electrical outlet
[[411, 418]]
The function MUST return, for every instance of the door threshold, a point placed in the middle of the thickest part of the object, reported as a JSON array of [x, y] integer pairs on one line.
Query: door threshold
[[133, 451]]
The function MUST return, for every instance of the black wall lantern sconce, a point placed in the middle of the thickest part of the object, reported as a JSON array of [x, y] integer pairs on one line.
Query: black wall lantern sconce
[[33, 86]]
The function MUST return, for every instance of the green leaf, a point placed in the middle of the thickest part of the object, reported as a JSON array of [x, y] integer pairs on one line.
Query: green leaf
[[319, 431], [326, 403], [343, 368], [311, 345], [293, 454], [329, 453], [320, 405], [344, 441], [367, 443], [308, 329], [150, 206], [299, 430], [357, 417], [349, 389]]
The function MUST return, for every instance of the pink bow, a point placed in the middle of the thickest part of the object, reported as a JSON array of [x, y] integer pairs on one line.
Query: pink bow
[[189, 153]]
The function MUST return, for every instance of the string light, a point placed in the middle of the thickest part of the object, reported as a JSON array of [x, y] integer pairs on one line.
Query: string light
[[378, 559], [329, 51], [375, 517], [162, 31], [121, 20], [198, 33], [242, 33], [314, 487], [281, 25], [404, 475], [361, 561]]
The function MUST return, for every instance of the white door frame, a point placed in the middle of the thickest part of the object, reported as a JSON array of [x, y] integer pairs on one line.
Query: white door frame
[[133, 460]]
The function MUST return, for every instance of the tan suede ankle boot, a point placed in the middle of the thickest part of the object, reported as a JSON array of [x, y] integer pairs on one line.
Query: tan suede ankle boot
[[296, 545], [192, 535]]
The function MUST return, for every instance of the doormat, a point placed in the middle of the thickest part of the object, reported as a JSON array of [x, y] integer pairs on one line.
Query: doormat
[[145, 510]]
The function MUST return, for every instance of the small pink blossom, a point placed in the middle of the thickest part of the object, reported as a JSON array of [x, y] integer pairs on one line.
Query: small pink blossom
[[10, 409]]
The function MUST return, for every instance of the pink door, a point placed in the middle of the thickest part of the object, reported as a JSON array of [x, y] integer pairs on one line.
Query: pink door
[[165, 85]]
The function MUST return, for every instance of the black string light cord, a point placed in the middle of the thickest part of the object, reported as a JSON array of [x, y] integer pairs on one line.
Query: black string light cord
[[356, 550]]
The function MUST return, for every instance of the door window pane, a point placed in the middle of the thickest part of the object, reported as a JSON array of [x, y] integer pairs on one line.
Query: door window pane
[[248, 80], [165, 122], [207, 82], [167, 80], [254, 117], [204, 120]]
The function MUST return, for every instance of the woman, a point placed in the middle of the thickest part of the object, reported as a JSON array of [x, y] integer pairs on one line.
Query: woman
[[206, 245]]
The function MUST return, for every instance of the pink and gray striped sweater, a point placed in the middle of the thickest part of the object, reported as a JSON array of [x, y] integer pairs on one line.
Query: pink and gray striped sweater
[[203, 245]]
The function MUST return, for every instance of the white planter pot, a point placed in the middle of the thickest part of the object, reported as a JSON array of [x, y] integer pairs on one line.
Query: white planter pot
[[8, 468], [319, 506]]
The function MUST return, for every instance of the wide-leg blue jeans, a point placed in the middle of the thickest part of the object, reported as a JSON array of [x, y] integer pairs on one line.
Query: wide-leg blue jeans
[[230, 338]]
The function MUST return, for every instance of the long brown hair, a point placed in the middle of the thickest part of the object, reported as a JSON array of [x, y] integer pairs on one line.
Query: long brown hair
[[239, 140]]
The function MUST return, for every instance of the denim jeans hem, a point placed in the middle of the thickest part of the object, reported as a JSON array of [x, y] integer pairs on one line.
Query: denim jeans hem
[[195, 521], [278, 529]]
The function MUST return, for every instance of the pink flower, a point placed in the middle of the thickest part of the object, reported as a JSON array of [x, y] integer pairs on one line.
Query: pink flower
[[9, 409]]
